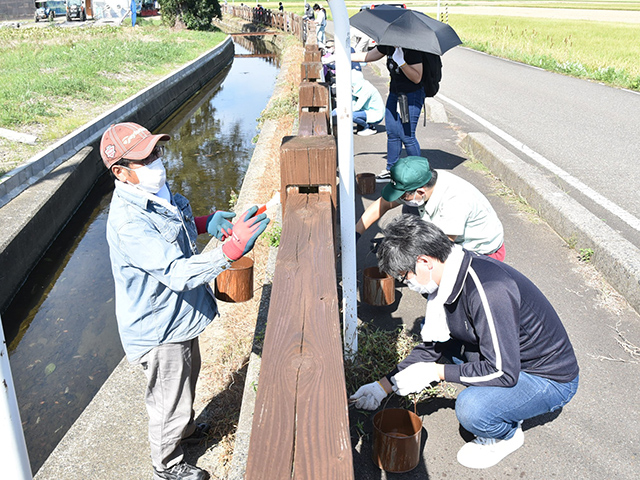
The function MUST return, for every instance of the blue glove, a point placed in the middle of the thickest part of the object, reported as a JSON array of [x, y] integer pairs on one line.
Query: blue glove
[[219, 226], [245, 233]]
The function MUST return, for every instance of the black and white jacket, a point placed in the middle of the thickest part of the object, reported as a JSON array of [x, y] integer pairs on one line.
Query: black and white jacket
[[506, 326]]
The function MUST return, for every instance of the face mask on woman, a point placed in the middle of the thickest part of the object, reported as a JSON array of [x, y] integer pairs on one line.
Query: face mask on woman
[[151, 177]]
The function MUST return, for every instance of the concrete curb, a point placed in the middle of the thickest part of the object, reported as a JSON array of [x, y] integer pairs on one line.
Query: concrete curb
[[40, 197], [616, 258]]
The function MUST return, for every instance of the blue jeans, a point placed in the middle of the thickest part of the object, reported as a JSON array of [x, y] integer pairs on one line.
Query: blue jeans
[[359, 118], [399, 133], [494, 412]]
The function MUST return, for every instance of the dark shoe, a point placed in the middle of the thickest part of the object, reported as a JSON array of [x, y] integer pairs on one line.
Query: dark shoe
[[181, 471], [201, 433]]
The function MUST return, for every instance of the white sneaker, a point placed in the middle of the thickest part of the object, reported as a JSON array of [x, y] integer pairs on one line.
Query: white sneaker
[[487, 452], [367, 131], [383, 176]]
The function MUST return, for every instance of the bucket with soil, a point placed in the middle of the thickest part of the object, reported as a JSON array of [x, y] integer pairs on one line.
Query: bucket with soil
[[366, 183], [378, 288], [396, 440]]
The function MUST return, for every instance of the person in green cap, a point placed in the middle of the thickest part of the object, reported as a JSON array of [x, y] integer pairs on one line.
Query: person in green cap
[[450, 202]]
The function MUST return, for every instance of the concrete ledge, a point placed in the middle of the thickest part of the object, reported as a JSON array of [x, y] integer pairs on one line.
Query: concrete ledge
[[435, 111], [47, 191], [617, 258]]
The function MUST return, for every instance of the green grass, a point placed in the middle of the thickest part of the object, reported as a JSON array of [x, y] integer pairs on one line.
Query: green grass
[[605, 52], [44, 72]]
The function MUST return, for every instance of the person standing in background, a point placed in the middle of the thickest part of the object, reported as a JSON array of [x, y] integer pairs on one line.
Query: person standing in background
[[404, 102]]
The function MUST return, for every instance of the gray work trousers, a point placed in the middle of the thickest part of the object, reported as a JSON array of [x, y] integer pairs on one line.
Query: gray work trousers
[[172, 372]]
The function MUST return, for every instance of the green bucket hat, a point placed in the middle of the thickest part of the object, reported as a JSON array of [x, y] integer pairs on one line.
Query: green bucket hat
[[407, 175]]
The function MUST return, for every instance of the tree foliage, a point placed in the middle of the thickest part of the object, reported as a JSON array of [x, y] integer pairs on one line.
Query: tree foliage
[[193, 14]]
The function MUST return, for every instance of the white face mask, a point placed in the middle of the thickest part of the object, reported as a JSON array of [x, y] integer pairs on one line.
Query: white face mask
[[413, 202], [151, 177], [428, 289]]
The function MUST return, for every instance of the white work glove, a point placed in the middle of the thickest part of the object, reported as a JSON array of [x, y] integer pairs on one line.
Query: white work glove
[[369, 396], [328, 59], [415, 378], [398, 57]]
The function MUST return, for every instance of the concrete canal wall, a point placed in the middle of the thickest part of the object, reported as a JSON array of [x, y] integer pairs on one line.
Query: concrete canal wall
[[39, 198]]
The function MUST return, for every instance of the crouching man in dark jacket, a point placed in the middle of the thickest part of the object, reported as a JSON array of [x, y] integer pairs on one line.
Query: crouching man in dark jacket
[[487, 327]]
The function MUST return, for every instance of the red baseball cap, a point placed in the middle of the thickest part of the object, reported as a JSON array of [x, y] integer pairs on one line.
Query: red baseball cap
[[128, 140]]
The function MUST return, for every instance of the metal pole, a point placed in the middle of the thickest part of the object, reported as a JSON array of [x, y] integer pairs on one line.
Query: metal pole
[[15, 459], [438, 11], [342, 57]]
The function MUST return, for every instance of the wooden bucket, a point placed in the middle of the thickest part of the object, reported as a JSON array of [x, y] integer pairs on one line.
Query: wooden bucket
[[366, 183], [396, 440], [236, 283], [378, 288]]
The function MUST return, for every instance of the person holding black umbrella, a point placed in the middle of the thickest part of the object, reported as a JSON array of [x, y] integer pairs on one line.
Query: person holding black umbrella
[[402, 35], [404, 103]]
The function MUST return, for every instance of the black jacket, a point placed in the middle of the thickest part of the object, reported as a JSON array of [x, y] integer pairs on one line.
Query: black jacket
[[506, 326]]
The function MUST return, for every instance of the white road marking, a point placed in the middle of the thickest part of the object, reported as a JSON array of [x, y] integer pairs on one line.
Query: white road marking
[[605, 203]]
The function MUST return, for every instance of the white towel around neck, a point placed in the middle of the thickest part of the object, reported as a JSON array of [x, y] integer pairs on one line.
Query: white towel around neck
[[435, 328]]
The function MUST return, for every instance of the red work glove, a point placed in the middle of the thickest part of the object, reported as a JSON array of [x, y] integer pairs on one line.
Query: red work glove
[[245, 233]]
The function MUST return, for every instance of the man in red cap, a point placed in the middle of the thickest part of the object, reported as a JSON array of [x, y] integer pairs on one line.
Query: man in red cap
[[163, 298]]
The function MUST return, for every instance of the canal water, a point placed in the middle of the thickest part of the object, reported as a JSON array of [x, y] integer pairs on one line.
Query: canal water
[[61, 327]]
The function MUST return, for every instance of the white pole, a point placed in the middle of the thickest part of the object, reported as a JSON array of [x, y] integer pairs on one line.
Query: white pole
[[438, 11], [342, 57], [15, 460]]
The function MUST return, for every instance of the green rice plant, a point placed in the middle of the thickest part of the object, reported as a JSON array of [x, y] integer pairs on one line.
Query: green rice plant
[[602, 51]]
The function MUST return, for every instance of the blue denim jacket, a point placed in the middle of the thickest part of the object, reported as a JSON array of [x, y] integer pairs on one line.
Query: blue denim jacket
[[161, 282]]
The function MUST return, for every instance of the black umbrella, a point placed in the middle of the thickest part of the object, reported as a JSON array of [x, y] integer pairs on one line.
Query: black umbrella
[[400, 27]]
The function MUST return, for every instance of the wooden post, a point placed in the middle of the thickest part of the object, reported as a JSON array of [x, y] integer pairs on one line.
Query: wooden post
[[236, 283], [310, 163], [315, 97], [312, 71], [312, 53], [313, 123]]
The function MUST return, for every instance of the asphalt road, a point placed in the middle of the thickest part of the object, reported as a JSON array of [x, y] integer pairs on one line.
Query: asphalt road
[[587, 132], [595, 436]]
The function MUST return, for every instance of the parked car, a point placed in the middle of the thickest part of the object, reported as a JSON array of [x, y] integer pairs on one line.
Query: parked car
[[76, 9], [48, 10]]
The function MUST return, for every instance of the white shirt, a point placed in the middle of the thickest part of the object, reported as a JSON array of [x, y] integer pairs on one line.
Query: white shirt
[[459, 209]]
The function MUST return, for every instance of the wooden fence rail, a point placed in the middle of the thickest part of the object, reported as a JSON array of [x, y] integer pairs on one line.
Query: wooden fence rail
[[300, 425]]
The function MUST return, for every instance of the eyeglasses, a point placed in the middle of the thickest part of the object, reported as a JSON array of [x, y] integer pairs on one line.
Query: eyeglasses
[[156, 153], [403, 278], [406, 195]]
